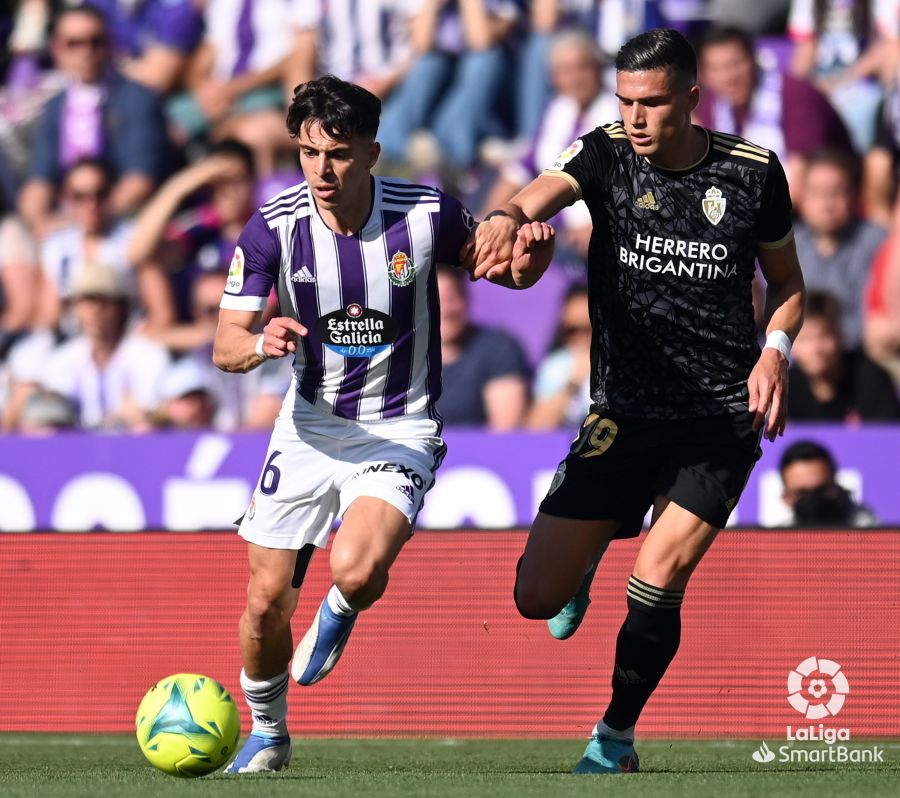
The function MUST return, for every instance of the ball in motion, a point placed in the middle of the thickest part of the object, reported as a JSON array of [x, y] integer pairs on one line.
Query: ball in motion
[[187, 725]]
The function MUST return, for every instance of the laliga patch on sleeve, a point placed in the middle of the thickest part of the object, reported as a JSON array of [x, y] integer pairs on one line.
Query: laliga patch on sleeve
[[235, 273], [568, 154]]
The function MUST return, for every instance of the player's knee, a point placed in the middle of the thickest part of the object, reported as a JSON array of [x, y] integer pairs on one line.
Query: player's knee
[[534, 603], [360, 583], [266, 607]]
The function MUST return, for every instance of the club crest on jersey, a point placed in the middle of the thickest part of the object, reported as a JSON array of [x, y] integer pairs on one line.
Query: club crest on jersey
[[235, 281], [714, 205], [568, 154], [401, 269]]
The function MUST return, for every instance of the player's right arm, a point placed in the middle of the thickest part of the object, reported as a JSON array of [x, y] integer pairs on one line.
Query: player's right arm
[[251, 275], [237, 347]]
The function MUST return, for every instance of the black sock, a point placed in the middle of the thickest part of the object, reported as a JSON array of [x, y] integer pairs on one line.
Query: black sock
[[646, 645]]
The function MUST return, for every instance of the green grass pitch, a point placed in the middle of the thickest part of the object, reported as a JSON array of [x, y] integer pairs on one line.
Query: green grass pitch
[[52, 766]]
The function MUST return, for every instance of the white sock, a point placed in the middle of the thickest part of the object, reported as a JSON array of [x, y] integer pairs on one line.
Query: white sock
[[338, 604], [267, 700], [626, 735]]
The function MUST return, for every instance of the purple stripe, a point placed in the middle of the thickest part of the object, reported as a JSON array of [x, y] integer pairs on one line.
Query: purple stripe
[[403, 311], [244, 38], [285, 202], [308, 310], [433, 383], [353, 289]]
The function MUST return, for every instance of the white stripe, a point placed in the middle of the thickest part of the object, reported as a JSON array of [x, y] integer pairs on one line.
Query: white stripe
[[419, 223], [253, 303]]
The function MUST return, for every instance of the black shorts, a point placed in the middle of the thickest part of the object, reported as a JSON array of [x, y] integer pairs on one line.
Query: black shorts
[[617, 466]]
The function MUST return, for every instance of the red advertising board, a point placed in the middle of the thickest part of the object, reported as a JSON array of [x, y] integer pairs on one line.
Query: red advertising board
[[88, 622]]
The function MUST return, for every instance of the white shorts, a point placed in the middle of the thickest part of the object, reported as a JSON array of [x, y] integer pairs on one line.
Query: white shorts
[[318, 464]]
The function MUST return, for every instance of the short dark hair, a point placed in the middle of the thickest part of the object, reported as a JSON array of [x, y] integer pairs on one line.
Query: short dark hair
[[823, 305], [659, 48], [847, 162], [71, 10], [802, 451], [728, 34], [342, 109], [236, 149]]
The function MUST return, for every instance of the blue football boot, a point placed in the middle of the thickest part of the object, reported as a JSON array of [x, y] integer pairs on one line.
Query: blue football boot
[[322, 645], [262, 754], [606, 755], [566, 622]]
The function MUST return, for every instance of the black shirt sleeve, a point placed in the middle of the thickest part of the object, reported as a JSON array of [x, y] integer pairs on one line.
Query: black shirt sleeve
[[774, 227], [586, 163]]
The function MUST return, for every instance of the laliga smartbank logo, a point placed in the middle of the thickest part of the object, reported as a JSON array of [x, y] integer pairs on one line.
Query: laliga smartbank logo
[[817, 688]]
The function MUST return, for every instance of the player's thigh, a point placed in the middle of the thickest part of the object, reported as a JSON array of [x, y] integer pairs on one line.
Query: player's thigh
[[371, 536], [674, 546], [557, 554]]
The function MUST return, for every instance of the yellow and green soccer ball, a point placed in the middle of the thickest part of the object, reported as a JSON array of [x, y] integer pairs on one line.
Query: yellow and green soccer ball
[[188, 725]]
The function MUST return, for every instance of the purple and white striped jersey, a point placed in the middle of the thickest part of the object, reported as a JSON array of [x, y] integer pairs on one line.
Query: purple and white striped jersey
[[369, 301]]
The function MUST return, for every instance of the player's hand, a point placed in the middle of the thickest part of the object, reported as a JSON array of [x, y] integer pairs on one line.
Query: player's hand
[[494, 242], [769, 392], [280, 336], [532, 252]]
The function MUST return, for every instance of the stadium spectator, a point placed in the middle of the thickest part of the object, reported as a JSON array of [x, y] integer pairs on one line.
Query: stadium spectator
[[882, 322], [828, 384], [882, 163], [236, 87], [153, 40], [46, 413], [367, 43], [112, 377], [756, 18], [19, 278], [845, 48], [100, 113], [187, 402], [836, 246], [199, 240], [90, 234], [461, 43], [812, 492], [758, 102], [485, 371], [580, 104], [562, 385]]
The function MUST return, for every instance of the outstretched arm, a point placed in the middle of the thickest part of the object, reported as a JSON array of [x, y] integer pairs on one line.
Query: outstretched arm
[[785, 300], [497, 236]]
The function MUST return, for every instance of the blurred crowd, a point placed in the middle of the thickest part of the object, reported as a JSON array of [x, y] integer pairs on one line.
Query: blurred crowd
[[138, 136]]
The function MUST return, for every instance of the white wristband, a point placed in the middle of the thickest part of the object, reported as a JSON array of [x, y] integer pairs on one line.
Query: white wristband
[[259, 348], [778, 339]]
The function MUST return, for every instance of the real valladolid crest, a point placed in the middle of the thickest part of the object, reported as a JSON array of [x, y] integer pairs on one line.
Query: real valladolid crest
[[818, 688]]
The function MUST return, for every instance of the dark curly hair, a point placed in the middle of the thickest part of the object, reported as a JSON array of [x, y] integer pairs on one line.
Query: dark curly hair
[[342, 109]]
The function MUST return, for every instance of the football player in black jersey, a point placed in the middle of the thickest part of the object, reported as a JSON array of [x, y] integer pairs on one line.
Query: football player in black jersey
[[681, 391]]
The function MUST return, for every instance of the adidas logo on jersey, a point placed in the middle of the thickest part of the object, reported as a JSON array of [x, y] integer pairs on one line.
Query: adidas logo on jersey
[[304, 275], [647, 202]]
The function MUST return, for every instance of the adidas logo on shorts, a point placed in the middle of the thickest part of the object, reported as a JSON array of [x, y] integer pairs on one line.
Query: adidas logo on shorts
[[304, 275]]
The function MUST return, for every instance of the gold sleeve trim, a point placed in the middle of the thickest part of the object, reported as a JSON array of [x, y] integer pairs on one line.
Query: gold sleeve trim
[[777, 244], [567, 177]]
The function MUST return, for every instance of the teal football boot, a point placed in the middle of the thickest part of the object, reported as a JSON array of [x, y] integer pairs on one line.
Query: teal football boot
[[606, 755], [566, 622]]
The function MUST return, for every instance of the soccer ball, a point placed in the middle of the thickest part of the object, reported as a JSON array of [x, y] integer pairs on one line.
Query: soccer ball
[[187, 725]]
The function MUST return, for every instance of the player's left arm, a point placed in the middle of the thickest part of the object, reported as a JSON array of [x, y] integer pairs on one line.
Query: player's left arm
[[785, 300]]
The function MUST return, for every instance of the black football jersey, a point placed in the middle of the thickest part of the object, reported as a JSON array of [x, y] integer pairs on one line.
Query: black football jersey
[[670, 269]]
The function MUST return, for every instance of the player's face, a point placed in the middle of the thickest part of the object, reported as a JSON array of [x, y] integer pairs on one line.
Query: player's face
[[336, 170], [817, 350], [828, 198], [656, 110], [729, 71]]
